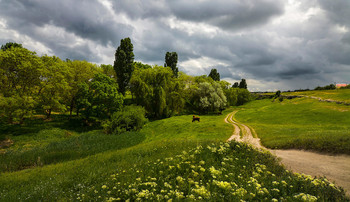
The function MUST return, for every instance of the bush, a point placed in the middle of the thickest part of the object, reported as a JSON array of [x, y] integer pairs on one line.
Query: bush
[[131, 118]]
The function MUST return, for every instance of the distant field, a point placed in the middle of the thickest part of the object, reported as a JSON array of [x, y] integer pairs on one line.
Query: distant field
[[300, 123], [338, 94]]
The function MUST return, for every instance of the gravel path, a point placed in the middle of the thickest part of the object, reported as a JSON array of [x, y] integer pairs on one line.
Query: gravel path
[[336, 168]]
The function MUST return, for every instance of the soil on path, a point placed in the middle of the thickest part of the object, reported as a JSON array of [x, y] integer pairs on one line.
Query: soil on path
[[335, 168]]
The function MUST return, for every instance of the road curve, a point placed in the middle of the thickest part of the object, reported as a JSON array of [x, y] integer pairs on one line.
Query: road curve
[[335, 167]]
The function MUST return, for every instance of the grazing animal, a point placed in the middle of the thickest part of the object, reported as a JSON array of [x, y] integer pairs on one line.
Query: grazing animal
[[195, 119]]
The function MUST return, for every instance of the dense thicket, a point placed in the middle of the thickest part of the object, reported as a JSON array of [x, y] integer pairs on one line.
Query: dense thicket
[[31, 84]]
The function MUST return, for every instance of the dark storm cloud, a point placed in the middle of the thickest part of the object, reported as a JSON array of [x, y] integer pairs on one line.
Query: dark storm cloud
[[282, 43], [337, 10], [227, 14], [87, 19], [142, 9]]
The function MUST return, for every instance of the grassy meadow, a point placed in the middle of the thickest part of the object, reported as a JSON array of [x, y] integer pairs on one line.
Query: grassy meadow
[[301, 123], [61, 160], [342, 95]]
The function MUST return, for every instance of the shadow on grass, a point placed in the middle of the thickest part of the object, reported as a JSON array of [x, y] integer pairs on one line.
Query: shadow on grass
[[35, 125], [86, 144]]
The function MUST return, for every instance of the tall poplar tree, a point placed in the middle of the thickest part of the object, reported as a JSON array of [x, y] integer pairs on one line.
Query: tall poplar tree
[[243, 84], [171, 61], [123, 64], [214, 74]]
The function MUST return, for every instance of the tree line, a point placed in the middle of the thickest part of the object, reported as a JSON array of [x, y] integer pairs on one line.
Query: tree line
[[32, 84]]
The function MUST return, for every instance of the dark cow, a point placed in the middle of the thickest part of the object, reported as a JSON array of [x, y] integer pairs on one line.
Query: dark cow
[[195, 119]]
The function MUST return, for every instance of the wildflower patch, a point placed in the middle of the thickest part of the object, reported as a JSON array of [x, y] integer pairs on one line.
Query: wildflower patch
[[221, 171]]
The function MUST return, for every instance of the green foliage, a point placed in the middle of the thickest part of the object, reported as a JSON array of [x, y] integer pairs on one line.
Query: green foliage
[[158, 91], [123, 63], [54, 85], [20, 73], [171, 61], [10, 45], [214, 74], [16, 108], [211, 97], [108, 70], [278, 93], [99, 98], [131, 118], [235, 85], [345, 87], [231, 96], [329, 87], [140, 65], [79, 72], [243, 96], [243, 84]]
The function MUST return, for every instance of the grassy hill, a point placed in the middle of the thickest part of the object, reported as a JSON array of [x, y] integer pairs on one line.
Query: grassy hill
[[342, 95], [168, 159], [302, 123]]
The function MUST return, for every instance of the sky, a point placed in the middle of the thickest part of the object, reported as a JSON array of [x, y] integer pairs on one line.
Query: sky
[[273, 44]]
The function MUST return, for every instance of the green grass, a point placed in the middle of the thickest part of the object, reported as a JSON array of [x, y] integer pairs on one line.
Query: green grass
[[76, 162], [299, 123], [47, 145], [337, 94], [216, 172]]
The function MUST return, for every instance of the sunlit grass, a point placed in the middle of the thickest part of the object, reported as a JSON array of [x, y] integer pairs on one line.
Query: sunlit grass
[[300, 123], [337, 94], [79, 163]]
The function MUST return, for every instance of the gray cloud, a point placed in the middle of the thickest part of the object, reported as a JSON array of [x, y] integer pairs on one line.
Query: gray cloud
[[260, 40], [227, 14], [87, 19]]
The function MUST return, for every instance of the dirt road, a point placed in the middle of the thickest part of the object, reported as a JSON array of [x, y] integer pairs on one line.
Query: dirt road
[[335, 168]]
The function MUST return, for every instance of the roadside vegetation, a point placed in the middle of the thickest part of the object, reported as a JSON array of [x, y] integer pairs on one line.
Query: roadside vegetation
[[300, 123]]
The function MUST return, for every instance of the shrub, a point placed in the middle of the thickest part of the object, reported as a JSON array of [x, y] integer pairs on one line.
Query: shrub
[[131, 118]]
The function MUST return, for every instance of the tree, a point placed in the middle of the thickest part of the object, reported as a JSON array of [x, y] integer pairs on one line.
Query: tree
[[99, 98], [10, 45], [214, 74], [171, 61], [235, 85], [108, 70], [79, 72], [140, 65], [158, 91], [123, 64], [243, 84], [243, 96], [20, 73], [54, 85], [130, 118], [211, 97]]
